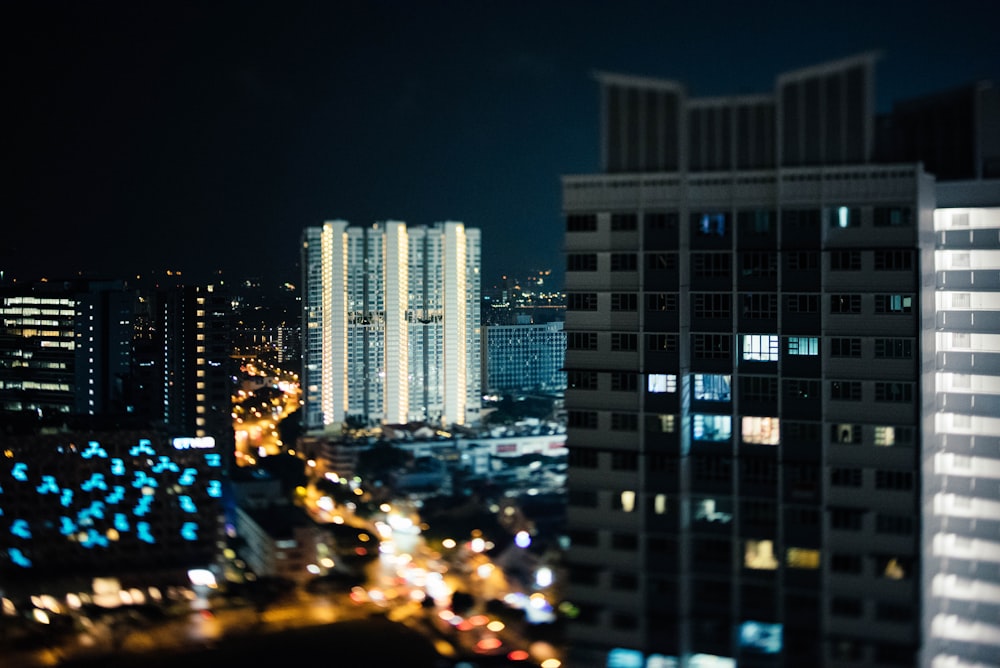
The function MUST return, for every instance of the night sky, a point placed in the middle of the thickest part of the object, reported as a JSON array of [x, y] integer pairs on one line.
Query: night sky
[[204, 136]]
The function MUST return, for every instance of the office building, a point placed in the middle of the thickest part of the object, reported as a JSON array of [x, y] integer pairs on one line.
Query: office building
[[524, 358], [753, 381], [391, 324]]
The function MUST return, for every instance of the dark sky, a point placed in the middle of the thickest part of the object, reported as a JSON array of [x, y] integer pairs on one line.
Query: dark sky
[[200, 136]]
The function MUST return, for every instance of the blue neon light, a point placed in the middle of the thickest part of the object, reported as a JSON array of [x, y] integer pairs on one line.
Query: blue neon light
[[96, 481], [121, 522], [144, 447], [188, 477], [47, 485], [67, 526], [142, 531], [117, 466], [20, 472], [94, 448], [187, 505], [189, 531], [20, 529], [214, 488], [18, 557]]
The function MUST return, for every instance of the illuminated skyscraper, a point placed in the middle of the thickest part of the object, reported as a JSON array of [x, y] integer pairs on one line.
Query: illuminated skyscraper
[[754, 379], [391, 329]]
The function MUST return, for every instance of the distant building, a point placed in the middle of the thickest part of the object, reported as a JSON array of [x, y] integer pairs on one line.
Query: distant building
[[781, 405], [391, 323], [79, 504], [524, 358]]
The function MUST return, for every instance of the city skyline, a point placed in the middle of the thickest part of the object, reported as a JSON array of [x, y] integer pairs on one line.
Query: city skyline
[[203, 138]]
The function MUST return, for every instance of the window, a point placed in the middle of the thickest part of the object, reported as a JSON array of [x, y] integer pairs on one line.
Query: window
[[624, 422], [842, 216], [758, 388], [624, 262], [802, 260], [846, 606], [845, 477], [624, 581], [802, 303], [662, 342], [710, 265], [582, 498], [894, 348], [581, 341], [658, 383], [711, 427], [661, 261], [661, 301], [661, 220], [893, 304], [756, 222], [624, 341], [624, 381], [900, 525], [846, 563], [897, 480], [845, 303], [760, 347], [893, 260], [845, 260], [710, 346], [625, 461], [889, 436], [581, 380], [845, 390], [893, 216], [581, 301], [849, 519], [624, 222], [759, 555], [801, 388], [803, 433], [894, 392], [582, 458], [760, 305], [582, 419], [760, 430], [581, 262], [661, 424], [713, 510], [800, 557], [758, 264], [803, 345], [712, 468], [624, 541], [581, 222], [845, 433], [624, 301], [710, 224], [712, 387], [711, 304], [845, 347]]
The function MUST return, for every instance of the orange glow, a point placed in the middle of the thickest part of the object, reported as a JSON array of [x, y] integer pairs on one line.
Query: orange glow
[[487, 644], [518, 655]]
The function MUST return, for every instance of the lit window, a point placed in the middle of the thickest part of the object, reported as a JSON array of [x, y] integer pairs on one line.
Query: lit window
[[803, 345], [709, 510], [800, 557], [842, 216], [885, 436], [658, 383], [760, 347], [759, 555], [712, 427], [660, 504], [760, 430], [712, 224], [628, 501], [711, 387]]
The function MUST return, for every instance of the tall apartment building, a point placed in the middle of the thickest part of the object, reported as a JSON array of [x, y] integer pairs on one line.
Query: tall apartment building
[[752, 386], [391, 323], [524, 358]]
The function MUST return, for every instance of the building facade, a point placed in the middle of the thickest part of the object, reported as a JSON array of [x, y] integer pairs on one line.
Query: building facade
[[751, 374], [391, 323], [524, 358]]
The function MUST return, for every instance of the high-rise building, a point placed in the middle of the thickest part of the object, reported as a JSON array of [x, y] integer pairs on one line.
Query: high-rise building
[[391, 323], [754, 337], [524, 358]]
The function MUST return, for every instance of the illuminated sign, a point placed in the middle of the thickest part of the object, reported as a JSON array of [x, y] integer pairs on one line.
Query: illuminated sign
[[186, 442]]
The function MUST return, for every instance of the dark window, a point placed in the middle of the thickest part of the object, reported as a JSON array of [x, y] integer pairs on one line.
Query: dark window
[[581, 262], [898, 480], [624, 301], [624, 541], [802, 303], [894, 348], [712, 467], [801, 388], [581, 341], [845, 477], [711, 304], [759, 264], [661, 301], [582, 458], [624, 461], [583, 498], [845, 390], [582, 419], [624, 422], [624, 341], [662, 342], [802, 260], [760, 305], [710, 346], [762, 470], [846, 563], [624, 381], [891, 612], [845, 260], [893, 216], [845, 347], [624, 262], [894, 392], [624, 222], [625, 581], [845, 303], [661, 261], [583, 538], [581, 380], [843, 606], [711, 265], [893, 260], [758, 388], [581, 222], [661, 220], [846, 518], [581, 301], [900, 525]]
